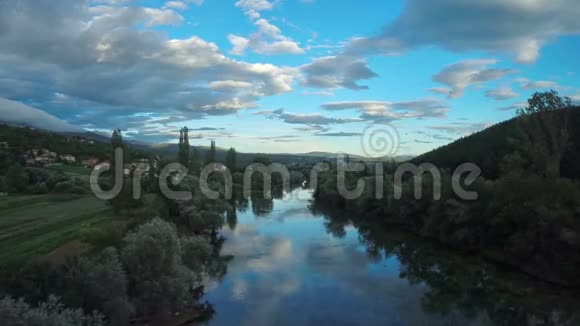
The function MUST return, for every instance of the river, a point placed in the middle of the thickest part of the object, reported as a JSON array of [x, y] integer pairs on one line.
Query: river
[[297, 265]]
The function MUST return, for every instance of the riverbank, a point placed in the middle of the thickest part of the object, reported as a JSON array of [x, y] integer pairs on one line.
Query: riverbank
[[527, 222]]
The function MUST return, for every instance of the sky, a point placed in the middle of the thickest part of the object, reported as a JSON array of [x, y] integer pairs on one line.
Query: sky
[[284, 76]]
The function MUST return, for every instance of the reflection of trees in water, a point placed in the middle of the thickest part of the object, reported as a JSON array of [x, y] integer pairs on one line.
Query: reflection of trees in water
[[261, 206], [232, 219], [259, 202], [457, 283]]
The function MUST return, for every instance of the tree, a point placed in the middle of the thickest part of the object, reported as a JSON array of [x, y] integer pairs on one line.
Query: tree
[[544, 134], [211, 157], [124, 200], [195, 161], [183, 155], [231, 159], [116, 143], [52, 312], [16, 179], [162, 267]]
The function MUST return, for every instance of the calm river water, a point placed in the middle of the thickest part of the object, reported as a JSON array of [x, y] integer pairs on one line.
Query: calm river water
[[298, 265]]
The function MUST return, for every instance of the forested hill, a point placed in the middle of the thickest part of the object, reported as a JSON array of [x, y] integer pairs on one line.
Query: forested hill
[[488, 147], [88, 144], [82, 145]]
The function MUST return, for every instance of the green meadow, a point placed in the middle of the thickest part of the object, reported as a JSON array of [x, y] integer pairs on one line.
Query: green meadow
[[31, 226]]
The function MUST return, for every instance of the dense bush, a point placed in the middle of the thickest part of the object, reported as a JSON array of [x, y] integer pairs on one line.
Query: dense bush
[[159, 278], [64, 187], [101, 236]]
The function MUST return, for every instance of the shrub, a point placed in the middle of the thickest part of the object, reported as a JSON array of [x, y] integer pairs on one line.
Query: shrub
[[102, 236]]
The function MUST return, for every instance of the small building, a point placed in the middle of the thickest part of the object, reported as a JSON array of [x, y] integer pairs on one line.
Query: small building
[[3, 146], [44, 159], [90, 162], [105, 165], [68, 158]]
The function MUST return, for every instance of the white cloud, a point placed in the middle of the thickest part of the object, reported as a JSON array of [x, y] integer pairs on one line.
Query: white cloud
[[267, 40], [177, 5], [257, 5]]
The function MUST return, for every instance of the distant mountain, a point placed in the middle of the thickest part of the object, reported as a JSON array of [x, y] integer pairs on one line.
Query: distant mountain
[[89, 135], [18, 114], [400, 158]]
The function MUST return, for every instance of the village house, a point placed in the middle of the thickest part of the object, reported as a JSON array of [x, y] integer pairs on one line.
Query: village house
[[68, 158], [35, 157], [90, 162], [105, 165]]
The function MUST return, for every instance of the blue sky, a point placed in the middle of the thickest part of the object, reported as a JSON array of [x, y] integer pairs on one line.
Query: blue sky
[[284, 75]]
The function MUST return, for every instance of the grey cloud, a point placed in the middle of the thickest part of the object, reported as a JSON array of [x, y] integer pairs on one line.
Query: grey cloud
[[461, 128], [18, 113], [342, 71], [435, 136], [527, 84], [514, 107], [206, 129], [382, 111], [441, 90], [339, 134], [502, 93], [305, 119], [313, 128], [517, 27], [109, 57], [464, 74], [277, 137]]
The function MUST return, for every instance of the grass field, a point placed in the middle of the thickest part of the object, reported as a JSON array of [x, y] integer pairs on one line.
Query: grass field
[[69, 170], [31, 226]]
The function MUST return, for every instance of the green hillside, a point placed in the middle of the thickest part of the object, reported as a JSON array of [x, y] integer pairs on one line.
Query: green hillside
[[488, 147]]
